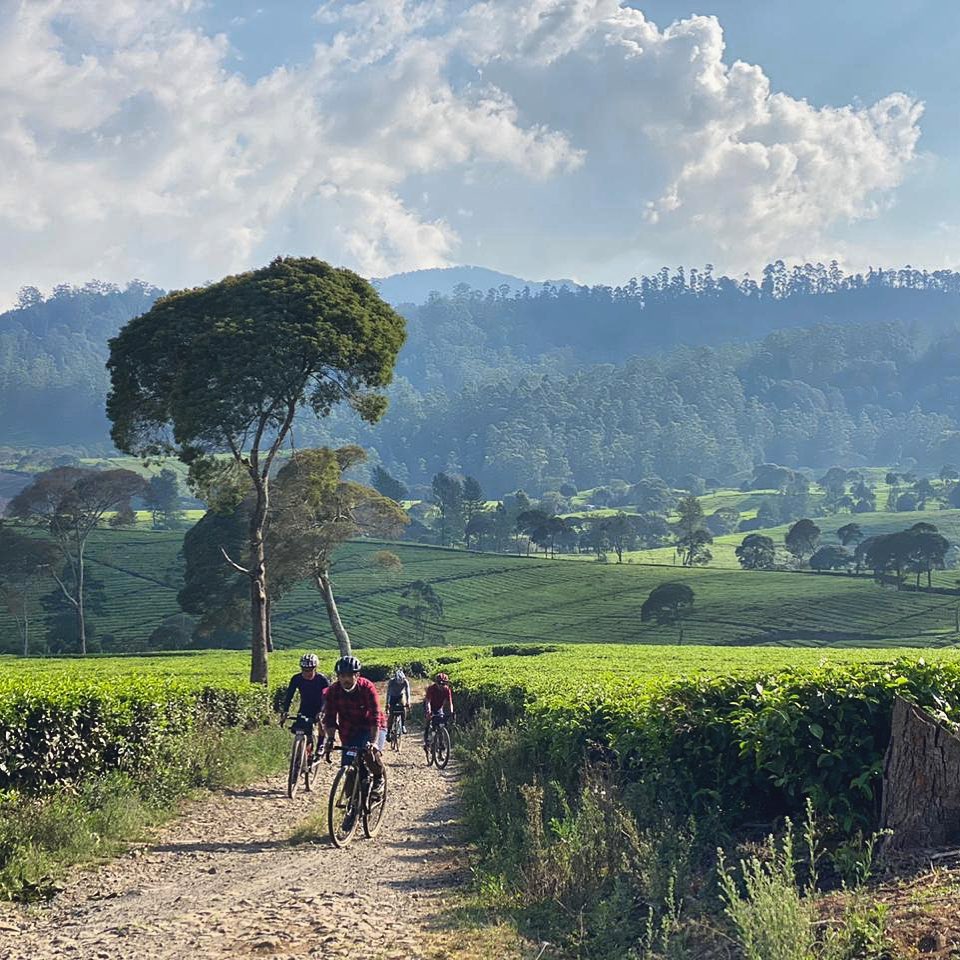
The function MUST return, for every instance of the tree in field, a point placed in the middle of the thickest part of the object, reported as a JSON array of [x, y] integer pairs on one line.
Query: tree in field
[[652, 530], [620, 533], [693, 538], [802, 539], [162, 499], [929, 550], [668, 603], [473, 501], [387, 561], [448, 499], [833, 483], [24, 561], [652, 495], [316, 511], [593, 538], [211, 591], [830, 557], [68, 503], [850, 533], [949, 474], [533, 525], [423, 609], [480, 526], [224, 369], [387, 485], [923, 490], [723, 521], [757, 552]]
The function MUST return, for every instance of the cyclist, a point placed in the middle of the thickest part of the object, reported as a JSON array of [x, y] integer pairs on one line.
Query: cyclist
[[398, 696], [312, 685], [353, 708], [437, 702]]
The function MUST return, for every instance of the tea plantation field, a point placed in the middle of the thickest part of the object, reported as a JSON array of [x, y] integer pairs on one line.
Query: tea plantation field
[[495, 599]]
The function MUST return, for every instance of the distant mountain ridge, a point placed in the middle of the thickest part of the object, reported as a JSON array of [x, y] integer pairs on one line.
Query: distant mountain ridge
[[417, 285]]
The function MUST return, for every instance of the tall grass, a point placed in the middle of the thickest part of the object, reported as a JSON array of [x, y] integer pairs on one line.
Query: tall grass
[[40, 838]]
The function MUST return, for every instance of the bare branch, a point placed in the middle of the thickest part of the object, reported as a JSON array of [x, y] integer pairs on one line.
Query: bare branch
[[236, 566]]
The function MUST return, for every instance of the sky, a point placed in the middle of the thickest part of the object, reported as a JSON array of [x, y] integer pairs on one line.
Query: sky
[[176, 141]]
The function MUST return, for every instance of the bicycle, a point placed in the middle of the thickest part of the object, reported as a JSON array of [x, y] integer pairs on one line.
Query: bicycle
[[438, 742], [303, 759], [350, 802], [395, 733]]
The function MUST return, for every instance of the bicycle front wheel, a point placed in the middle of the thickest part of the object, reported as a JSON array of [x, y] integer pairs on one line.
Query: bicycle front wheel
[[373, 812], [441, 748], [343, 810], [297, 760]]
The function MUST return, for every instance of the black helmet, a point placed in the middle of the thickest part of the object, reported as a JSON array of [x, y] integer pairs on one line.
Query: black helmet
[[309, 661], [347, 665]]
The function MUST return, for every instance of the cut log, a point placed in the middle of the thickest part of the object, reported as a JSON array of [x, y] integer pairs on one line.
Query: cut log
[[921, 782]]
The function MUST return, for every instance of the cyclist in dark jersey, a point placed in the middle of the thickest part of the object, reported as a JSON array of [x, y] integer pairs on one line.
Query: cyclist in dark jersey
[[311, 685]]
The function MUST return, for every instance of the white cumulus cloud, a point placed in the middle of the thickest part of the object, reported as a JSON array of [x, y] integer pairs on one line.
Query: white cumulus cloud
[[555, 136]]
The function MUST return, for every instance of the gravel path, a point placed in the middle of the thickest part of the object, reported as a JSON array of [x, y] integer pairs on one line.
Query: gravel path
[[224, 881]]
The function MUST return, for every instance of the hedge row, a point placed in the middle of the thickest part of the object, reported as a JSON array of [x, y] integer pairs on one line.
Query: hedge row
[[752, 746], [55, 734]]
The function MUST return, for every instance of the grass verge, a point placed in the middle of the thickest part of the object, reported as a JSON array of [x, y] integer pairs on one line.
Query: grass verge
[[40, 838]]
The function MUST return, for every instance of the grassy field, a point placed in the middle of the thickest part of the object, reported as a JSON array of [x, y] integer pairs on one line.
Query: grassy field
[[494, 599]]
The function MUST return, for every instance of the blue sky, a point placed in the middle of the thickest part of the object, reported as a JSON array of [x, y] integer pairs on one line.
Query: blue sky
[[177, 140]]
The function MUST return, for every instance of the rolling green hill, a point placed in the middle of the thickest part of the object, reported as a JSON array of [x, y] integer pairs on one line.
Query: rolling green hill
[[493, 599]]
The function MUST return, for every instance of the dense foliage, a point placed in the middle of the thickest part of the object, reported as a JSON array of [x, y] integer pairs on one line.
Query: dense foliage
[[532, 389]]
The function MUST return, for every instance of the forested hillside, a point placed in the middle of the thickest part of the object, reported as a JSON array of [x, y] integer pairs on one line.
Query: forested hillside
[[668, 375]]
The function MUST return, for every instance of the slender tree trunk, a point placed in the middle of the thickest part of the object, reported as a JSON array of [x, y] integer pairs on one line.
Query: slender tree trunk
[[81, 614], [259, 668], [330, 602]]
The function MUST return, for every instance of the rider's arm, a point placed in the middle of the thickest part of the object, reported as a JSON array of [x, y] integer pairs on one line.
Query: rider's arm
[[330, 714], [373, 704], [406, 693], [450, 701], [292, 687]]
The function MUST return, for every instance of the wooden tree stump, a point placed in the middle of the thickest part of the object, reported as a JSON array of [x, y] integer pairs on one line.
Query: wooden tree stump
[[921, 782]]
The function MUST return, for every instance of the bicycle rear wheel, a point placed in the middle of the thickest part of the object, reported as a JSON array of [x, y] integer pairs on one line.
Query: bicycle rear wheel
[[396, 734], [373, 812], [297, 758], [441, 748], [343, 810]]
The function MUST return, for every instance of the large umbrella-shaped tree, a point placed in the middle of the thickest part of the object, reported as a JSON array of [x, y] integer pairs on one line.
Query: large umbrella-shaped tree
[[224, 370]]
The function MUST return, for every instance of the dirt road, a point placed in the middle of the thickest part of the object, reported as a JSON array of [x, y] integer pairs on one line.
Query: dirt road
[[224, 881]]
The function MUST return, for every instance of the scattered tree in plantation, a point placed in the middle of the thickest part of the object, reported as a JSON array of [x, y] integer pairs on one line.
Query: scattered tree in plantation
[[668, 603], [24, 562], [693, 538], [423, 609], [652, 495], [226, 368], [448, 499], [317, 511], [757, 552], [68, 503], [387, 485], [387, 561], [162, 499], [802, 539], [473, 501], [620, 533], [850, 533], [481, 527], [830, 557], [723, 521]]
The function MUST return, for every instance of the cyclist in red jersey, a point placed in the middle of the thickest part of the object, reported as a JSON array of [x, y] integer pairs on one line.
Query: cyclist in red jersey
[[437, 702], [353, 708]]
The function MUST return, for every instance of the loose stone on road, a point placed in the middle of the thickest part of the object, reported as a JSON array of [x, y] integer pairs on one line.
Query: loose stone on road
[[225, 881]]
